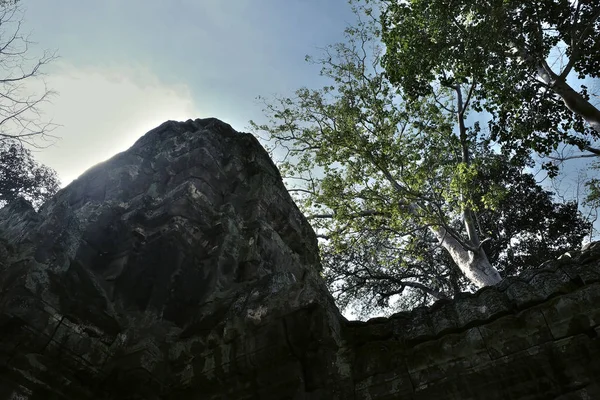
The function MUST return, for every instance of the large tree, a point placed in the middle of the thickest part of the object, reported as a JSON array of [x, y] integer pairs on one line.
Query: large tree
[[517, 54], [389, 183], [525, 229]]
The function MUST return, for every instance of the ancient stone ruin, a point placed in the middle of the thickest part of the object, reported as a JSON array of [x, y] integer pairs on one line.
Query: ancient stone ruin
[[182, 269]]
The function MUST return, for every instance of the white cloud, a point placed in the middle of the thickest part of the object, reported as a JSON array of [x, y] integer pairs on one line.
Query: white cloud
[[104, 111]]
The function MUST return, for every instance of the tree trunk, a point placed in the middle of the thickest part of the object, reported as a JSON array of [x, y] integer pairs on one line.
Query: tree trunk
[[578, 104], [474, 264], [572, 99]]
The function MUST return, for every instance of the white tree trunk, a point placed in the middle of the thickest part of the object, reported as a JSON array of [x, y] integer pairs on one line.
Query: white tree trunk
[[471, 259], [572, 99], [474, 264]]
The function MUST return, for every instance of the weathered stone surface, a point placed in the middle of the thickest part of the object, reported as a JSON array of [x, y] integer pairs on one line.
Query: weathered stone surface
[[182, 269], [178, 267]]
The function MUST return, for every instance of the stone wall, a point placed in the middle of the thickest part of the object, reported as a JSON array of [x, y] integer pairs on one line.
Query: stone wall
[[532, 337], [182, 269]]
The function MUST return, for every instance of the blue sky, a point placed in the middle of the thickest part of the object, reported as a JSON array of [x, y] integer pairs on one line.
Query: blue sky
[[127, 66]]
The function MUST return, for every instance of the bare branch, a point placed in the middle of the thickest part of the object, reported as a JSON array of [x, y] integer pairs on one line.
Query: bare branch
[[20, 108]]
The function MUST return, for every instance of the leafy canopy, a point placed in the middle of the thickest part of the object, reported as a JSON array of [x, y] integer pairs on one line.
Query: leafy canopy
[[22, 177], [518, 53], [378, 178]]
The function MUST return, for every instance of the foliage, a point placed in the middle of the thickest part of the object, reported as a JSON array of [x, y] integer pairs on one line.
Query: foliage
[[20, 114], [22, 177], [507, 49], [525, 229], [398, 193]]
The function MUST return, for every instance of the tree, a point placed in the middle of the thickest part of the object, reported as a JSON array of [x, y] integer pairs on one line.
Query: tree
[[526, 228], [20, 71], [20, 115], [390, 186], [22, 177], [505, 49]]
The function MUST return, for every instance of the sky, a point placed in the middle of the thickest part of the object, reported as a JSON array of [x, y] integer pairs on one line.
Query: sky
[[126, 66]]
